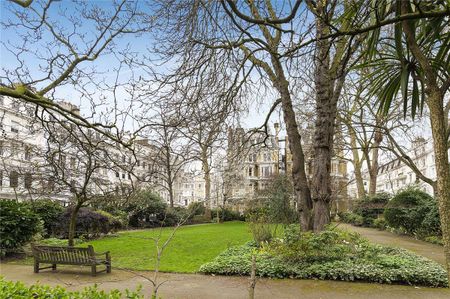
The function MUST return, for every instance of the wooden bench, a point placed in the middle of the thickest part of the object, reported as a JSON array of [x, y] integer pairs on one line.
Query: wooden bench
[[64, 255]]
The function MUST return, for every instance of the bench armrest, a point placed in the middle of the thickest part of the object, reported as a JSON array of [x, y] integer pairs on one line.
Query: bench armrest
[[102, 253]]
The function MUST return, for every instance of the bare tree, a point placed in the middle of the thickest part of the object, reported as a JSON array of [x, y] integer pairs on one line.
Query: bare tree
[[172, 151], [39, 69]]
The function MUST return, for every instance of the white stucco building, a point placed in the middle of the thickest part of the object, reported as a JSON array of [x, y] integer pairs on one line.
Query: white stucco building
[[395, 175], [33, 165]]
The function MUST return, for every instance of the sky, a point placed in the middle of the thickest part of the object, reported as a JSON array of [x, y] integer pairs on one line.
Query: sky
[[106, 64]]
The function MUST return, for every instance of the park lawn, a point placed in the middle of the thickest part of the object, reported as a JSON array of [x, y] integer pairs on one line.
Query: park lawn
[[191, 247]]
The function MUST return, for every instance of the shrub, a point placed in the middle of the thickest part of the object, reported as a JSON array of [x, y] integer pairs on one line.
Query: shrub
[[352, 218], [115, 223], [331, 255], [10, 289], [328, 245], [90, 224], [261, 228], [196, 208], [408, 209], [371, 207], [431, 224], [275, 202], [175, 215], [434, 240], [49, 212], [18, 224], [380, 223], [227, 214], [146, 209]]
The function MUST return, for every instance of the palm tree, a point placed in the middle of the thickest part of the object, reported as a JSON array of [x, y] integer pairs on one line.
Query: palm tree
[[413, 62]]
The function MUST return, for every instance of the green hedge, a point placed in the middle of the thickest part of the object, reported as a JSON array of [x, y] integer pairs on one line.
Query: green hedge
[[227, 215], [352, 218], [18, 290], [413, 211], [329, 255], [18, 224], [49, 211], [372, 207]]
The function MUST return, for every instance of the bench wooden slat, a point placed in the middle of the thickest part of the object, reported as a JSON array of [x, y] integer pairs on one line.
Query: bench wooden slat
[[68, 256]]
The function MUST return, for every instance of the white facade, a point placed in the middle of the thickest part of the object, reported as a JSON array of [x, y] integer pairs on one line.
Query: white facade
[[395, 175], [24, 152]]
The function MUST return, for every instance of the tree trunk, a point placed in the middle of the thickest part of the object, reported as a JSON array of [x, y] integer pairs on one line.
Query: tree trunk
[[326, 108], [300, 181], [438, 128], [169, 172], [321, 214], [357, 164], [323, 142], [252, 282], [170, 187], [73, 223], [207, 178], [438, 119], [373, 171]]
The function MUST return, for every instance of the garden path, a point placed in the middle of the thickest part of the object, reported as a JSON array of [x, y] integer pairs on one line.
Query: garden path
[[426, 249], [204, 286]]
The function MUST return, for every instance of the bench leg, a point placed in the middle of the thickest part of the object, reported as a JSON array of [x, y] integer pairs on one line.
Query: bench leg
[[108, 263], [53, 267], [94, 270], [36, 267]]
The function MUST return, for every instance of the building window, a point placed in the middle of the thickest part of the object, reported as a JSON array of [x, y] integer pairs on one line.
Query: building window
[[250, 171], [117, 175], [129, 176], [72, 162], [15, 126], [73, 186], [13, 179], [28, 180], [27, 153], [51, 184], [62, 161], [15, 104], [1, 148], [123, 175], [1, 179], [138, 163], [266, 171]]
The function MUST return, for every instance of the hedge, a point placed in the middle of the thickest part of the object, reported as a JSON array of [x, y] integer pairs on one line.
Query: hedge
[[19, 290]]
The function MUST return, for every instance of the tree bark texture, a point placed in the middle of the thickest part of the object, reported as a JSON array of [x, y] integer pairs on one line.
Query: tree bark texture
[[73, 224], [300, 180], [323, 134], [357, 164], [438, 128], [207, 177], [373, 171]]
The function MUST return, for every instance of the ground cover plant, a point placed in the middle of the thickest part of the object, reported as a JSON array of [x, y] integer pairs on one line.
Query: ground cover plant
[[18, 290], [332, 254]]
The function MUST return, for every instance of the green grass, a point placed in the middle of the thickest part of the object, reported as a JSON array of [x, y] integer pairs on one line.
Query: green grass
[[191, 247]]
